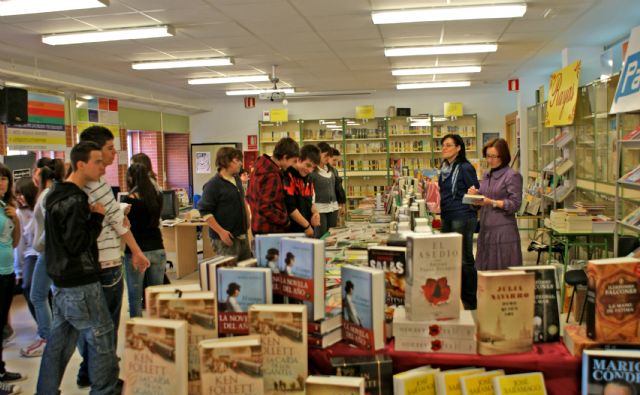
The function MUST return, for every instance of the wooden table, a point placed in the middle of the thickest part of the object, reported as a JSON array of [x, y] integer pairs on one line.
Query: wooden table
[[181, 239]]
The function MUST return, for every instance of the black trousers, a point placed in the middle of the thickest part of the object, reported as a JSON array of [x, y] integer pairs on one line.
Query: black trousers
[[7, 284]]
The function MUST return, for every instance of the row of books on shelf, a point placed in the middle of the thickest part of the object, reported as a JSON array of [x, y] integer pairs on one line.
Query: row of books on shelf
[[633, 218], [322, 134], [410, 146], [366, 165], [579, 220], [633, 135], [274, 137], [364, 190], [561, 139], [632, 177], [463, 131], [367, 148], [364, 133], [559, 166]]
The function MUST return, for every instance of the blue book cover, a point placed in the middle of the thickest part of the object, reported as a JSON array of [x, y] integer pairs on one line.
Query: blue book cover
[[237, 289], [268, 249], [363, 306], [301, 274]]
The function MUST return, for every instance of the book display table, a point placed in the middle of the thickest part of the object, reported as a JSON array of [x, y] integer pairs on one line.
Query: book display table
[[561, 370], [180, 241]]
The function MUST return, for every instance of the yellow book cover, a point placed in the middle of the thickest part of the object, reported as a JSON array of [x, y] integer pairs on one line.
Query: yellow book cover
[[479, 384], [520, 384], [448, 383], [418, 381]]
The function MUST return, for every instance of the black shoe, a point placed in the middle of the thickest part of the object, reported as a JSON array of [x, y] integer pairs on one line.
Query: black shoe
[[83, 382], [8, 377], [9, 389]]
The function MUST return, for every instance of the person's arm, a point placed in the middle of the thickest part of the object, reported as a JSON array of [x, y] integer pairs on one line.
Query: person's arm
[[469, 177], [511, 204], [11, 212], [207, 206], [82, 227], [292, 207], [268, 186]]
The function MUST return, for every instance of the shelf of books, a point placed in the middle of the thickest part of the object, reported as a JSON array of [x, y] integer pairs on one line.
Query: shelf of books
[[559, 172], [533, 132], [466, 126], [410, 144], [271, 132], [328, 130], [627, 191]]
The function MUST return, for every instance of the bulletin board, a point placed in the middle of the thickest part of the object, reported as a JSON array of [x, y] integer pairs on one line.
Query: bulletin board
[[203, 163]]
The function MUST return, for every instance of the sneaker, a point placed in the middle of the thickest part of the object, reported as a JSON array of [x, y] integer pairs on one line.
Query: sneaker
[[9, 389], [35, 349], [83, 382], [8, 377]]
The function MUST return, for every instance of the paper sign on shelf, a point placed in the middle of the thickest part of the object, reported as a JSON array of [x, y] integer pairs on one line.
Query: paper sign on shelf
[[627, 96], [279, 115], [365, 112], [563, 96], [452, 109]]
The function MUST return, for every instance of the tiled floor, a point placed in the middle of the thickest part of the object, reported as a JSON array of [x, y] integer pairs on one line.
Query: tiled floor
[[25, 329]]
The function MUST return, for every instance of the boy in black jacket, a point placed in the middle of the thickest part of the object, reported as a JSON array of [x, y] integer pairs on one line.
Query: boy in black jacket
[[72, 227]]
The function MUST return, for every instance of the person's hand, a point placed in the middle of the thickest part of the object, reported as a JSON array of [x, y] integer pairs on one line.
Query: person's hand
[[140, 262], [309, 232], [126, 208], [10, 211], [315, 219], [97, 208], [125, 222], [341, 210], [485, 202], [226, 237], [473, 191]]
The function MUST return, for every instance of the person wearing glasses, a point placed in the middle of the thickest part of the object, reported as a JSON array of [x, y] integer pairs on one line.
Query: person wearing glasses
[[499, 239], [456, 176], [299, 192]]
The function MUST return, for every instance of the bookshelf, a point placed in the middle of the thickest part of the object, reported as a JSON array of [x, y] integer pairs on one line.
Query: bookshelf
[[328, 130], [560, 170], [534, 127], [271, 132], [466, 126], [410, 144], [627, 191]]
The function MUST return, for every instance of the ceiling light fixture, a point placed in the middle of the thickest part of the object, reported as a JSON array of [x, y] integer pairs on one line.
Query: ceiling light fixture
[[254, 92], [182, 63], [21, 7], [132, 33], [428, 85], [440, 50], [229, 80], [437, 70], [436, 14]]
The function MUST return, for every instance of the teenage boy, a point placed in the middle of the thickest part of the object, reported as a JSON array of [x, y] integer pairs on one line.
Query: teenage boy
[[72, 227], [265, 193], [299, 192], [223, 207], [113, 230]]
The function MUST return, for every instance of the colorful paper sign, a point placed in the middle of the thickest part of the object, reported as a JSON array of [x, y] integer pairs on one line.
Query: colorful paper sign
[[365, 112], [279, 115], [45, 127], [452, 109], [563, 96], [627, 97]]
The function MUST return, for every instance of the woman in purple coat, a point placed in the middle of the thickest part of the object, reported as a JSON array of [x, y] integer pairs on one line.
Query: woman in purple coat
[[499, 238]]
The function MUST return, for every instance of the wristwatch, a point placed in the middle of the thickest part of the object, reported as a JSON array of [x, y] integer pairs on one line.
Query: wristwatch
[[494, 203]]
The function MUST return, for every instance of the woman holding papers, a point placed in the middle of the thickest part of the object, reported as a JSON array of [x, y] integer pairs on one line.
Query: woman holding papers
[[499, 239], [456, 176]]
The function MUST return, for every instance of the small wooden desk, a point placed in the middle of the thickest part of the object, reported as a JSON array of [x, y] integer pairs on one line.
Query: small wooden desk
[[181, 239]]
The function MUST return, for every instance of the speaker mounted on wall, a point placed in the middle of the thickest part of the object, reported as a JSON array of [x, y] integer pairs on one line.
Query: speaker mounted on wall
[[13, 106]]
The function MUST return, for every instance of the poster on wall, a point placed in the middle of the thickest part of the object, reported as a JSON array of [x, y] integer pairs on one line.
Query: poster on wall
[[627, 96], [486, 137], [44, 129], [203, 162], [100, 111]]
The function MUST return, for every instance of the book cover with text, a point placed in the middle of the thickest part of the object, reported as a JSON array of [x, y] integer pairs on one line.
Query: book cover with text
[[546, 320], [393, 261], [520, 384], [267, 249], [610, 372]]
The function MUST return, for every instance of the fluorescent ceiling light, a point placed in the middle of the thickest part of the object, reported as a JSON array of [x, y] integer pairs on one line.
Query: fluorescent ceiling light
[[440, 50], [437, 70], [229, 80], [134, 33], [22, 7], [182, 63], [435, 14], [253, 92], [427, 85]]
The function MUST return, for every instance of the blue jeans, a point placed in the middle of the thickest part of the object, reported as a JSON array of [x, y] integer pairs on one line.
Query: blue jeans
[[80, 312], [469, 284], [135, 280], [112, 289], [40, 287]]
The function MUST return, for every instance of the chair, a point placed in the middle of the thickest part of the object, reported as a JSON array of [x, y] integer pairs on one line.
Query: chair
[[541, 247], [575, 278]]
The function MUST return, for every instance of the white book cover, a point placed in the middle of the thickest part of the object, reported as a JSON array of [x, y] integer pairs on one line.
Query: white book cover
[[151, 295], [199, 310], [434, 264], [335, 385], [283, 330], [155, 357], [232, 366], [462, 328]]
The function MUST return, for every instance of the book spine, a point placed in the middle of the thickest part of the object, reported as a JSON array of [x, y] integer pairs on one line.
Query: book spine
[[591, 304], [547, 328], [428, 331], [454, 346]]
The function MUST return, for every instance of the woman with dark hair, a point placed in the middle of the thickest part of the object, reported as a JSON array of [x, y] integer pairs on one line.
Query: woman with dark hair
[[349, 308], [499, 238], [232, 305], [324, 185], [47, 171], [456, 176], [272, 259], [289, 260], [9, 239], [144, 216], [143, 159], [25, 255]]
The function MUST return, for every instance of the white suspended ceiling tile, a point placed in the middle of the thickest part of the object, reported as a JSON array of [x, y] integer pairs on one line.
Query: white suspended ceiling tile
[[342, 22], [273, 11], [231, 42], [115, 21], [536, 26], [265, 27], [146, 5], [215, 30], [294, 42], [50, 26], [411, 30], [395, 5], [188, 16], [333, 35], [315, 8]]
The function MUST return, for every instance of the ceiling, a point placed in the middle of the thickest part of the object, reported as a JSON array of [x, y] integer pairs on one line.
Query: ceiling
[[318, 45]]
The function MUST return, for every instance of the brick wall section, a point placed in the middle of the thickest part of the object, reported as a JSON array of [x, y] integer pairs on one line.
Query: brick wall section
[[177, 160], [3, 139], [150, 143]]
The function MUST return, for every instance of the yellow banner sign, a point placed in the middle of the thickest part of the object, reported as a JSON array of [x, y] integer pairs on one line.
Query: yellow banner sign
[[36, 139], [279, 115], [563, 95], [452, 109], [365, 112]]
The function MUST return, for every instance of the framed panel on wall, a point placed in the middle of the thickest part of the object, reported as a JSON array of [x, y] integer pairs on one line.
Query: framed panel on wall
[[203, 163]]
